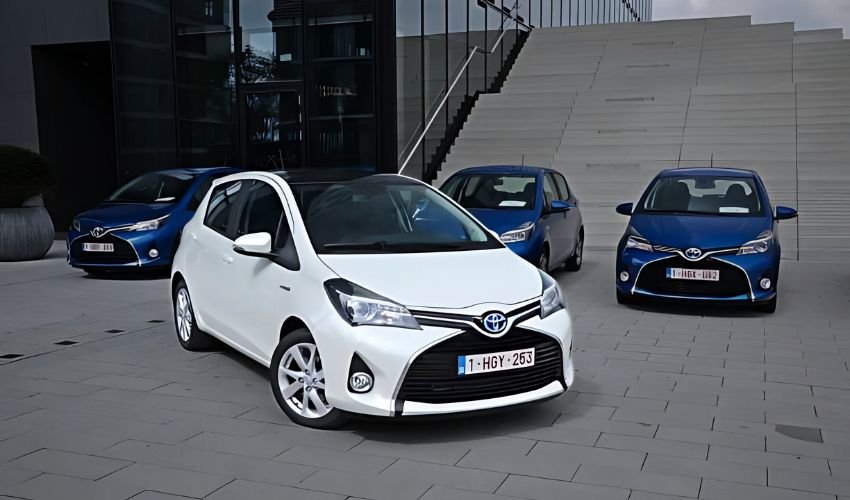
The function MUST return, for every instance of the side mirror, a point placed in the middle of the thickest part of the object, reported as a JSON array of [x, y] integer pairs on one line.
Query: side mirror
[[785, 213], [559, 206], [625, 208], [254, 245]]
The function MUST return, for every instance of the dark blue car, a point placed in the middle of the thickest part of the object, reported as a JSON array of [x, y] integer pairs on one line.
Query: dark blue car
[[531, 209], [139, 225], [702, 234]]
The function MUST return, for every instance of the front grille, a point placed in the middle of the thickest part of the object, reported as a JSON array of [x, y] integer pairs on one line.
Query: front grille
[[123, 251], [733, 281], [433, 378]]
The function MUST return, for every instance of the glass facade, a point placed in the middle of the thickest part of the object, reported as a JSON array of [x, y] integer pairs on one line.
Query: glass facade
[[271, 84]]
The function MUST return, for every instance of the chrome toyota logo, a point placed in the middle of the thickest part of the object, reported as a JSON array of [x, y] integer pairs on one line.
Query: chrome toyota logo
[[495, 322], [693, 253], [98, 232]]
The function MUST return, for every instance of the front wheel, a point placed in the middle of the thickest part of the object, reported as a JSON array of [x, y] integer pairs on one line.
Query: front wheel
[[190, 336], [298, 382], [768, 307], [543, 262]]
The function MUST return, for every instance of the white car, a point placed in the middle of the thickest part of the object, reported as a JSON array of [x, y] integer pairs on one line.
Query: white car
[[373, 295]]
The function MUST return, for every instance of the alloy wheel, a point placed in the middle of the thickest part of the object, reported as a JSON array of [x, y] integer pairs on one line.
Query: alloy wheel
[[183, 314], [544, 262], [301, 381], [579, 251]]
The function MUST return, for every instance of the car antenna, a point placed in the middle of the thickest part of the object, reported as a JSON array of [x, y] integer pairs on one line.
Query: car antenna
[[523, 160], [712, 160]]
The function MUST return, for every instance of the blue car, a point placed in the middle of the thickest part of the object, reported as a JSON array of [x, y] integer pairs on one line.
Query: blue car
[[702, 234], [138, 226], [531, 209]]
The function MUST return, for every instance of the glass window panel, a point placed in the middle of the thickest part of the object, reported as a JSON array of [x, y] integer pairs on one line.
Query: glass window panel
[[477, 38], [546, 14], [409, 77], [346, 142], [271, 40], [435, 66]]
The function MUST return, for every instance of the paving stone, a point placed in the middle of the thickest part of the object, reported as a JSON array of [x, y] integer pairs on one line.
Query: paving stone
[[656, 446], [519, 463], [248, 490], [722, 490], [252, 447], [774, 461], [367, 486], [68, 464], [735, 472], [610, 426], [651, 482], [803, 481], [165, 480], [444, 493], [741, 441], [335, 460], [586, 455], [10, 476], [155, 495], [547, 489], [454, 477], [53, 487]]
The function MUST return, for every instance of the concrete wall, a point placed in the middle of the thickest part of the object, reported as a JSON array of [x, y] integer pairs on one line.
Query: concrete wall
[[24, 23]]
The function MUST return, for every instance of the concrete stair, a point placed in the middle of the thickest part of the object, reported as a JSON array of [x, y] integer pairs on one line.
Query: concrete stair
[[612, 105]]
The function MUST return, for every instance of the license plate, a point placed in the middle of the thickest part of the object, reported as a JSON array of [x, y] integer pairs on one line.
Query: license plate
[[98, 247], [677, 273], [495, 362]]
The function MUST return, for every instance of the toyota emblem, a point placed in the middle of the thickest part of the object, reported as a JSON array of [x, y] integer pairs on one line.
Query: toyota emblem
[[97, 232], [693, 253], [495, 322]]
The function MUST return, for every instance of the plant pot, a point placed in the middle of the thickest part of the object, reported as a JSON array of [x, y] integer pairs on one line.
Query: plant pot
[[26, 233]]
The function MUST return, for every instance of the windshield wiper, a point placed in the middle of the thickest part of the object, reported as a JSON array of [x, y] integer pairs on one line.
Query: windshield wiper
[[402, 246], [371, 245]]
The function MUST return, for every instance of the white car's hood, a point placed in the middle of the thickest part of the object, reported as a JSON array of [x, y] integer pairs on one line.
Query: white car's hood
[[443, 280]]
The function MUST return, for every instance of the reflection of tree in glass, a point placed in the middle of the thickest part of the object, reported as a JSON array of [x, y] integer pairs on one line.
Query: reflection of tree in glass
[[256, 66]]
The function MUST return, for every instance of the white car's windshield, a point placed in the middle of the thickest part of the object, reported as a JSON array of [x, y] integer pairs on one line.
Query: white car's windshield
[[704, 195], [385, 214]]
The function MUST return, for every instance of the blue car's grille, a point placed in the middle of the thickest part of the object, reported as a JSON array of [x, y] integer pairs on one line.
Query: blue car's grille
[[123, 251], [733, 281], [433, 376]]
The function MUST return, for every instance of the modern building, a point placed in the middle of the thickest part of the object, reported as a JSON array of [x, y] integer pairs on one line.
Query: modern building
[[108, 89]]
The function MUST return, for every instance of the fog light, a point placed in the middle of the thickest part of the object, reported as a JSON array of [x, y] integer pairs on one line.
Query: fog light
[[624, 276], [765, 283], [154, 253], [360, 382]]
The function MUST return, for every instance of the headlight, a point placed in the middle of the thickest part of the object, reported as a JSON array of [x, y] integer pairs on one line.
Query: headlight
[[359, 306], [521, 233], [148, 225], [759, 245], [75, 224], [551, 301], [638, 243]]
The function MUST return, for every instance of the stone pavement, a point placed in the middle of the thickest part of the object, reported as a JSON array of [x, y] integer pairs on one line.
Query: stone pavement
[[669, 402]]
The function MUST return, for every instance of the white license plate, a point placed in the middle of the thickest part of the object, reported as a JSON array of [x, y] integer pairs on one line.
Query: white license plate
[[98, 247], [677, 273], [495, 362]]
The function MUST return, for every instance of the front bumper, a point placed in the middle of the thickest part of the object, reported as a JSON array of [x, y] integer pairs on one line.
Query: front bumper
[[390, 352], [132, 250], [740, 274]]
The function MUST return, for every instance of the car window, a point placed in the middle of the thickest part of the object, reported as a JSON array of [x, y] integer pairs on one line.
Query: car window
[[494, 191], [205, 185], [222, 200], [562, 187], [452, 188], [263, 213], [549, 190], [713, 195]]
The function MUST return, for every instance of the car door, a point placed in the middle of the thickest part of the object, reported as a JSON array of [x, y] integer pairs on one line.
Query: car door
[[209, 263], [555, 222], [267, 284], [573, 215]]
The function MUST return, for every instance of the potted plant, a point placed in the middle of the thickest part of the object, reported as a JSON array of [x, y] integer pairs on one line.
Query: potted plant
[[26, 231]]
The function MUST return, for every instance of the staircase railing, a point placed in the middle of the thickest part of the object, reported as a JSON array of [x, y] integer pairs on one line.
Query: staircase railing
[[443, 97]]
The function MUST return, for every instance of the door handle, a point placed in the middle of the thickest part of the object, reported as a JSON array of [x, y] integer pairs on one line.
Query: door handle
[[228, 259]]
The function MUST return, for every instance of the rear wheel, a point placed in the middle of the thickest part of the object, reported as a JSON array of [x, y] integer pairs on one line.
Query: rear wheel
[[298, 382], [574, 262], [188, 333], [767, 307]]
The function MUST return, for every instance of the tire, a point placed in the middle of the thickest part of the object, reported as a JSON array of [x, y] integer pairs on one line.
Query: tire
[[296, 363], [189, 335], [574, 262], [768, 307], [543, 262]]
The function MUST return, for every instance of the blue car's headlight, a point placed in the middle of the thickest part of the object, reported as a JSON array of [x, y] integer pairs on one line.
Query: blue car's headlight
[[521, 233], [639, 243], [148, 225], [551, 301], [359, 306], [759, 245]]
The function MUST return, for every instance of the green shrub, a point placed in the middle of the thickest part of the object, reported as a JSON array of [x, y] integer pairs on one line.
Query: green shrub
[[23, 174]]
